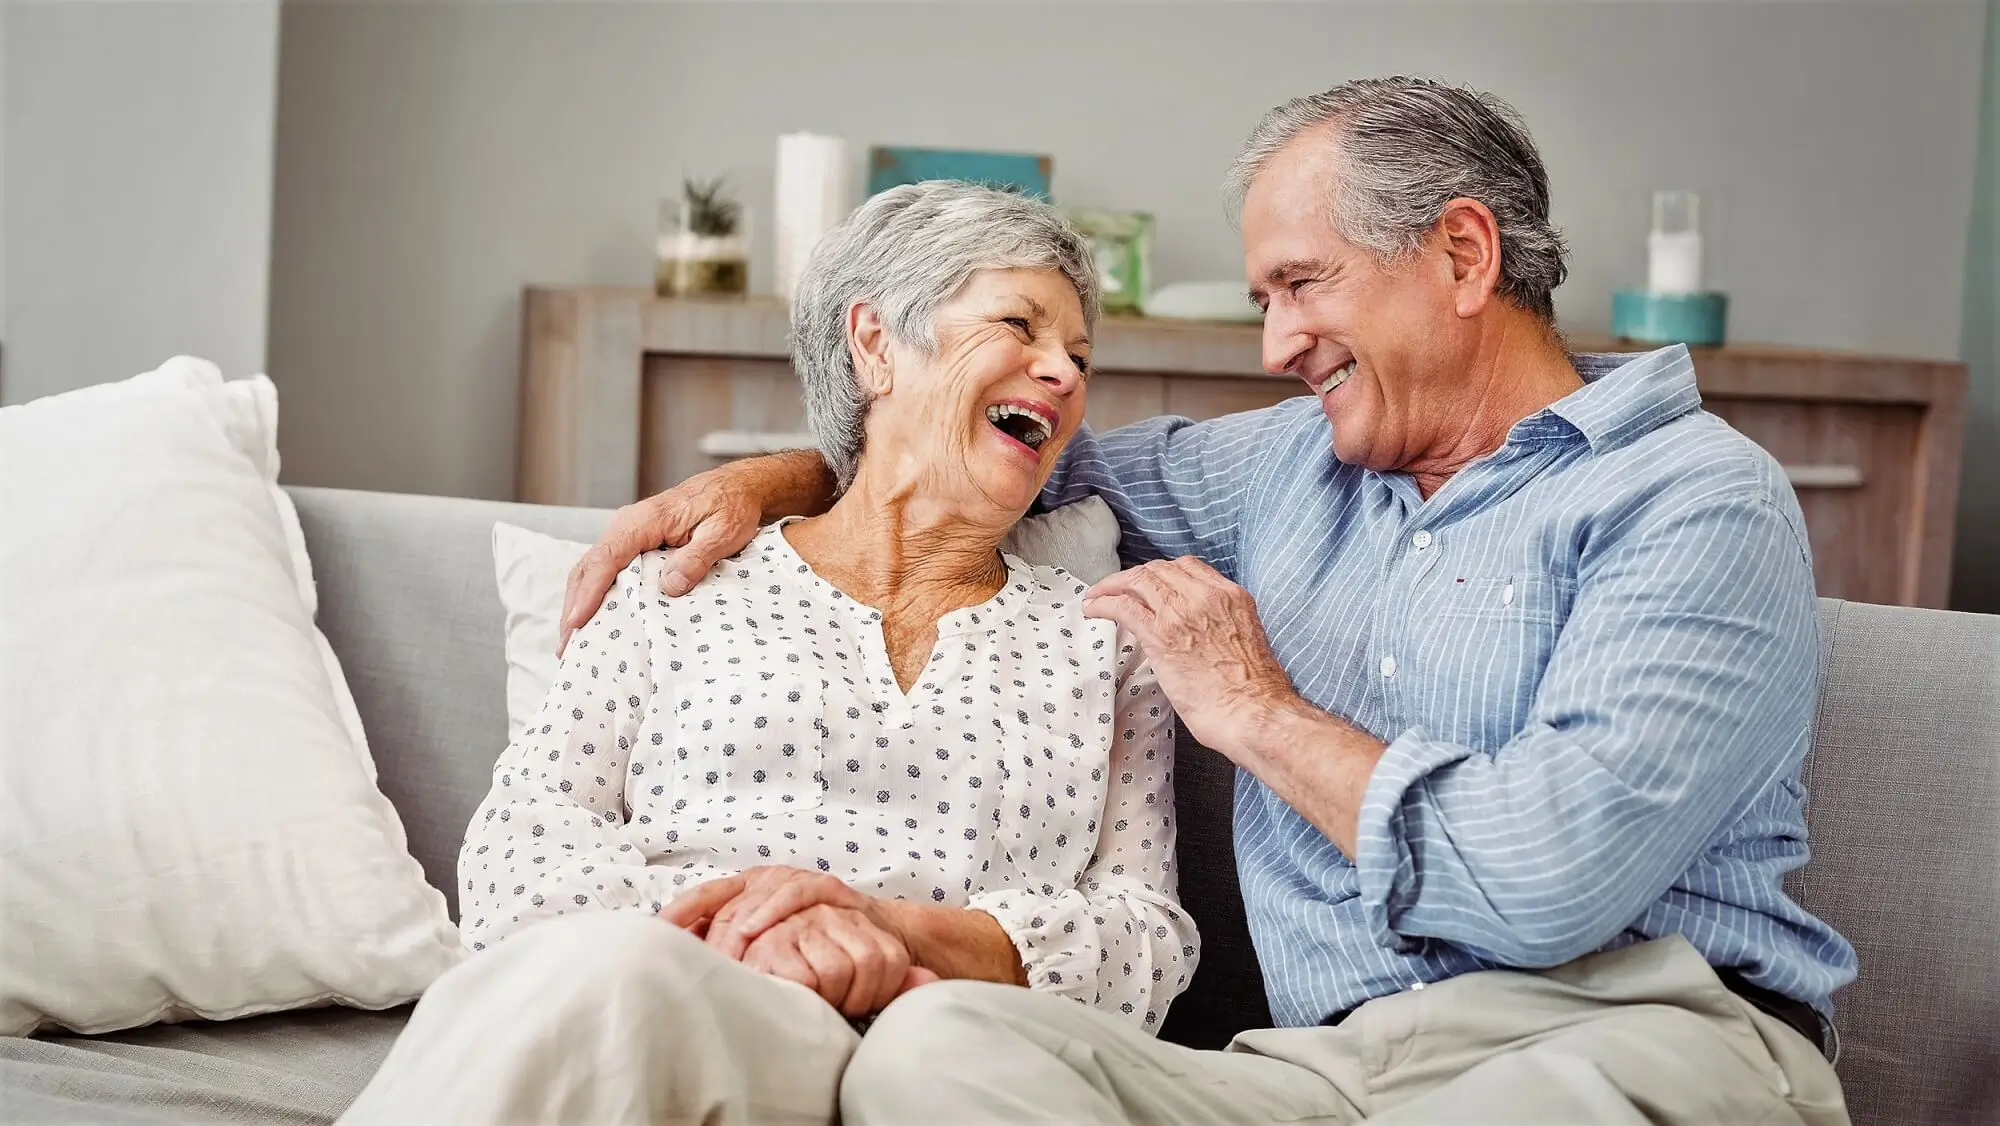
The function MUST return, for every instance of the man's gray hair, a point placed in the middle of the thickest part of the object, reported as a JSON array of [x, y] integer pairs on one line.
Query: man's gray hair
[[906, 252], [1406, 147]]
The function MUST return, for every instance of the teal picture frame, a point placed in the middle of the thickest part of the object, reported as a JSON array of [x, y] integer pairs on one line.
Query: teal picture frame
[[891, 166]]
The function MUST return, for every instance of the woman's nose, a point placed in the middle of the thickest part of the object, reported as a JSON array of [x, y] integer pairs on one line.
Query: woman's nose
[[1057, 372]]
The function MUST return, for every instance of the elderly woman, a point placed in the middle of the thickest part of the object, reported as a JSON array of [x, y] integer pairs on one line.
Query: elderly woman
[[867, 752]]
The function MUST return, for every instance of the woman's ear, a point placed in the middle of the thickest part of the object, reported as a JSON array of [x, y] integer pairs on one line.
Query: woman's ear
[[868, 339]]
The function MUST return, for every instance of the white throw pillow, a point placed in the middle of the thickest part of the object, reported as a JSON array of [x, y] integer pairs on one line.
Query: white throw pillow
[[533, 568], [189, 824]]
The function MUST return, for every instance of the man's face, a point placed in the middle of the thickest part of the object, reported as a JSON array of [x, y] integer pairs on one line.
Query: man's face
[[1382, 347]]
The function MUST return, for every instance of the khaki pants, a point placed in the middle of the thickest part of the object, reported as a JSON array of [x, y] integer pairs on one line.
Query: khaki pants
[[1647, 1034], [611, 1017]]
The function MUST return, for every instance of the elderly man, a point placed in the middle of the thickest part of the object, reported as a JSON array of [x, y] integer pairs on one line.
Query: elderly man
[[1521, 725]]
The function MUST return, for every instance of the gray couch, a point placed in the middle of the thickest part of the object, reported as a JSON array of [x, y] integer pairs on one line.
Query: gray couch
[[1905, 819]]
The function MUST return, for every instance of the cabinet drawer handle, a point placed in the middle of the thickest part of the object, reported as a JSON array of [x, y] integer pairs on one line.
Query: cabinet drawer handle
[[1824, 476], [752, 443]]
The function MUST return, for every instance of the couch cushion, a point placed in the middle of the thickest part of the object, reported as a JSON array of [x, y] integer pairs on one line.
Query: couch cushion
[[1227, 993], [408, 599], [1904, 811], [297, 1067]]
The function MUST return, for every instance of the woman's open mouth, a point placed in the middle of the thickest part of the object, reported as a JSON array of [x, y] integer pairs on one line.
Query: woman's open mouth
[[1021, 424]]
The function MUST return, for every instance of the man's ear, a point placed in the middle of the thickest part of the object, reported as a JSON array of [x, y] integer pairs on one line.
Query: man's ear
[[1470, 236], [869, 342]]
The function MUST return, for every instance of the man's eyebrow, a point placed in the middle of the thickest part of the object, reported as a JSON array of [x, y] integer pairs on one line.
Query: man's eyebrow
[[1277, 274]]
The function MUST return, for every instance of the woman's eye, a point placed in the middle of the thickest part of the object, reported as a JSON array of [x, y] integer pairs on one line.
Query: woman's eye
[[1082, 364], [1020, 323], [1300, 283]]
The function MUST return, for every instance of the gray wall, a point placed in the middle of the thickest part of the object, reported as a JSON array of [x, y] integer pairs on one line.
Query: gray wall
[[138, 188], [433, 158], [1976, 576]]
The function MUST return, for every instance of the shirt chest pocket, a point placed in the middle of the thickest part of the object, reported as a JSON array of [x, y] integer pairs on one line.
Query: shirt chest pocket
[[1487, 647], [1501, 599], [749, 746]]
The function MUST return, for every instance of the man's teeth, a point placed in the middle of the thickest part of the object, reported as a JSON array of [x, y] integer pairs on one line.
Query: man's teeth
[[1339, 377], [1033, 435]]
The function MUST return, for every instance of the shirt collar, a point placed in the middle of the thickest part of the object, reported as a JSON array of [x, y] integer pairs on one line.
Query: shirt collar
[[1624, 395]]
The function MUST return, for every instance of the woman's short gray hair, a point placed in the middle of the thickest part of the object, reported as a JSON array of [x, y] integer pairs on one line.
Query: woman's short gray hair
[[906, 252], [1407, 146]]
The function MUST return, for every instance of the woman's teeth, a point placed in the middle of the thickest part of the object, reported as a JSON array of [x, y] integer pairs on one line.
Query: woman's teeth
[[1030, 429], [1340, 376]]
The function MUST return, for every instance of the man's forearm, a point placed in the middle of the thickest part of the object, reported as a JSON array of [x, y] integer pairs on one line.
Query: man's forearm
[[1318, 763], [793, 483]]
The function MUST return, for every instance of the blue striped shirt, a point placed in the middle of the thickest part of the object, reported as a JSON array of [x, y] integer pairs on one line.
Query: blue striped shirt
[[1592, 654]]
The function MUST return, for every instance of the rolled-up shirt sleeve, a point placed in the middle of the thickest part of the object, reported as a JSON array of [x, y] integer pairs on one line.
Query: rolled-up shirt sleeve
[[1119, 940], [1673, 697]]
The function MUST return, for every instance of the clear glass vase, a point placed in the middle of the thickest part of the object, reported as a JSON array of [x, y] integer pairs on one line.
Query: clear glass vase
[[694, 259]]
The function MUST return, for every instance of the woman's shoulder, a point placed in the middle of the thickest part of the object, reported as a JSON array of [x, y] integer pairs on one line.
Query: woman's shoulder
[[753, 564], [1044, 583], [1052, 600]]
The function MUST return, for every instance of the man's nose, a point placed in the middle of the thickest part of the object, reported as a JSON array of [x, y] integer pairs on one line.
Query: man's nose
[[1285, 341]]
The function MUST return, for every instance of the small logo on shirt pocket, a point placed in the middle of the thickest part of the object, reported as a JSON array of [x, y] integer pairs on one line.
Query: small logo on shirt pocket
[[745, 746], [1523, 597]]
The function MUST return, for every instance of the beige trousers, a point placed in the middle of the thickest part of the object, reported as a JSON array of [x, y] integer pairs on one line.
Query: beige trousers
[[611, 1017], [1647, 1034]]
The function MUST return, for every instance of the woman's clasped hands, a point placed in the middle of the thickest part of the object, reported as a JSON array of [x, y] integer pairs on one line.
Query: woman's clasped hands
[[806, 927]]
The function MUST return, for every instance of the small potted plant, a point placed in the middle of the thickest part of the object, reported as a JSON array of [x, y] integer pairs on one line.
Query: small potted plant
[[704, 247]]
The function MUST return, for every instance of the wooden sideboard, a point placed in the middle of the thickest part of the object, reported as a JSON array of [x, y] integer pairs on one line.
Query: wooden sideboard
[[623, 394]]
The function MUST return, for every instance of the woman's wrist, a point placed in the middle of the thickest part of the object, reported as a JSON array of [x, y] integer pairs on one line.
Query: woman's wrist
[[952, 942]]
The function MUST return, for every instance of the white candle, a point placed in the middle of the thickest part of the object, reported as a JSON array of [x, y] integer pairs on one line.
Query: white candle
[[812, 195], [1673, 262]]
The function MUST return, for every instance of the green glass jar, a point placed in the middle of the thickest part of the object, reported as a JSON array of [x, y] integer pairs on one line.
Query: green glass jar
[[1121, 242]]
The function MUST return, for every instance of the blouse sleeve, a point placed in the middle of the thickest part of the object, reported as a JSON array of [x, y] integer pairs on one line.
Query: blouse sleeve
[[1119, 940], [548, 838]]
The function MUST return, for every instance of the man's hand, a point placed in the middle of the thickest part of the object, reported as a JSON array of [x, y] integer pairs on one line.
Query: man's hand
[[1216, 668], [1202, 636], [702, 517], [706, 518], [842, 955]]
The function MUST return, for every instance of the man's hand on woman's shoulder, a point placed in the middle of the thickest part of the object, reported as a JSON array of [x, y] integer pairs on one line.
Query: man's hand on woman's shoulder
[[703, 520]]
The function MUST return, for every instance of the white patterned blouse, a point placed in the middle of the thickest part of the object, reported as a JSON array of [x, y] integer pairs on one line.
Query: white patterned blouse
[[1028, 773]]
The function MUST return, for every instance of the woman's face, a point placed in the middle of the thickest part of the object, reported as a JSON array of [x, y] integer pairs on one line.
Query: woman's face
[[979, 424]]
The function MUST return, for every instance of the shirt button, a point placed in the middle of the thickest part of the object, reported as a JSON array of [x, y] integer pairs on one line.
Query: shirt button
[[1421, 540], [1388, 666]]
